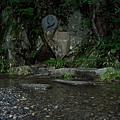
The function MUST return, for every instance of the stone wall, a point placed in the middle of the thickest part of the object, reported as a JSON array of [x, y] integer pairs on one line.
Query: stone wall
[[65, 41], [77, 29], [60, 43]]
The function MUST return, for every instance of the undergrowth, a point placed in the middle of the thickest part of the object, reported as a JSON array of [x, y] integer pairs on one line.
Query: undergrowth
[[57, 63]]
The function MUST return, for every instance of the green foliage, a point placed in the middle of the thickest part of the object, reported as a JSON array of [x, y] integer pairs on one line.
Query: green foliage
[[13, 2], [72, 2], [10, 73], [89, 1], [87, 21], [4, 64], [104, 53], [20, 7], [67, 75], [26, 11], [32, 54], [93, 53], [110, 76], [58, 63]]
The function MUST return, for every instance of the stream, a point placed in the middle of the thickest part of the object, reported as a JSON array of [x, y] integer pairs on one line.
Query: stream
[[61, 102]]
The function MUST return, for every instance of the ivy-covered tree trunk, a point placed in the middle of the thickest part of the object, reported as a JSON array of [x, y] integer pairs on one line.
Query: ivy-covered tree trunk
[[103, 15]]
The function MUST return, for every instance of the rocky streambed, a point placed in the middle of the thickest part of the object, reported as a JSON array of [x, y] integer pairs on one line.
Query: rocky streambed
[[58, 101]]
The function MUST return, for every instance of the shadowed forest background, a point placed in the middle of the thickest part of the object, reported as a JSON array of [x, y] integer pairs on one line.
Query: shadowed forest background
[[22, 41]]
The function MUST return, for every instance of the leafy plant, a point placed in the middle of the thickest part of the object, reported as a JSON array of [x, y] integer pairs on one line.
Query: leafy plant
[[58, 63], [87, 21], [72, 2], [104, 53], [89, 1], [67, 75], [26, 11], [13, 2], [10, 73], [109, 76]]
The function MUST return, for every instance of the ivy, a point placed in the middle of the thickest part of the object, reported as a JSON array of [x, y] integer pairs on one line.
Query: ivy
[[26, 12], [72, 2], [89, 1], [13, 2]]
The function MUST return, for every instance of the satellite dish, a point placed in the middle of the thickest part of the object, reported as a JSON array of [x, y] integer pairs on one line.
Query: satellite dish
[[49, 23]]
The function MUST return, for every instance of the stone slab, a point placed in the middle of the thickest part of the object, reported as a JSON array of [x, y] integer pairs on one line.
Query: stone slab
[[36, 86], [76, 83]]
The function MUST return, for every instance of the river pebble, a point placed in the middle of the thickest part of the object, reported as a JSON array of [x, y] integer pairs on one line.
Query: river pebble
[[12, 104], [60, 103]]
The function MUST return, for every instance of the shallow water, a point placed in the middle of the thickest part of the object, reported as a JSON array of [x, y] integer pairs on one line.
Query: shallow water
[[61, 102]]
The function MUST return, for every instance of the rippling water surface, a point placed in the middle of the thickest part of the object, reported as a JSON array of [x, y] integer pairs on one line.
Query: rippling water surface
[[61, 102]]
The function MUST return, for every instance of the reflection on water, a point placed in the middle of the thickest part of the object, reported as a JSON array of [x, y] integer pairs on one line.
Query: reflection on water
[[64, 102]]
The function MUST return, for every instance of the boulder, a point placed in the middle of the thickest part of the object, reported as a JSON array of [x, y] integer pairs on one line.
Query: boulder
[[29, 70], [103, 70], [36, 86], [22, 70], [83, 73]]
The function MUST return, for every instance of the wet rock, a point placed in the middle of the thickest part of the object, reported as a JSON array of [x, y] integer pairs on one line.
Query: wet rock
[[83, 73], [26, 108], [76, 83], [36, 86], [43, 72], [103, 70], [29, 70], [22, 70]]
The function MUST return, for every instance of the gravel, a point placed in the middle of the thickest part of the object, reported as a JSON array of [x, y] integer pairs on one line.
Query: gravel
[[14, 104], [61, 102]]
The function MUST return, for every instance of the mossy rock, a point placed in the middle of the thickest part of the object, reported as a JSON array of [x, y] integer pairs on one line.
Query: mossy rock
[[22, 70]]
